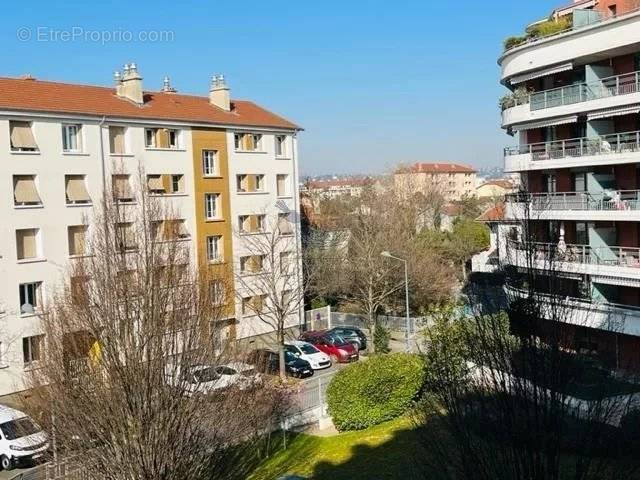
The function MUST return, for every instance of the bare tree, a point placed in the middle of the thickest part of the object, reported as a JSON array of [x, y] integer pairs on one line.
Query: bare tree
[[133, 375], [269, 280]]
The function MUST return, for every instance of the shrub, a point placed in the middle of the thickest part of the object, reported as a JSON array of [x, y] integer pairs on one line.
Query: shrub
[[550, 27], [512, 42], [374, 391], [381, 337]]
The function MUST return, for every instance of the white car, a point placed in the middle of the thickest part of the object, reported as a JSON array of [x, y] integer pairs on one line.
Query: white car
[[212, 378], [21, 439], [308, 352]]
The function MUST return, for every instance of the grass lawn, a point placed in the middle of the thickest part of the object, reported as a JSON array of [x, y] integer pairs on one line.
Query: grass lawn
[[383, 451]]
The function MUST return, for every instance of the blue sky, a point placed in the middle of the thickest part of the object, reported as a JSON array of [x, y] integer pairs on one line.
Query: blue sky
[[373, 83]]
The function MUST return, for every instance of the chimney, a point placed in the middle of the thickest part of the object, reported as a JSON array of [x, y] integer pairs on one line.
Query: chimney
[[219, 93], [166, 86], [129, 84]]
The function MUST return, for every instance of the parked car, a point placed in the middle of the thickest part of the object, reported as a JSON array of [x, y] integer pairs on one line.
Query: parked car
[[268, 361], [21, 439], [310, 353], [338, 349], [214, 378], [351, 334]]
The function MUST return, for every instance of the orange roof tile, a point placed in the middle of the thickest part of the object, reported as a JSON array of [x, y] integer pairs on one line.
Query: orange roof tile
[[493, 214], [63, 98]]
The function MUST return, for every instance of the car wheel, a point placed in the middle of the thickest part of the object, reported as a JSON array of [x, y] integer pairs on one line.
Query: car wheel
[[6, 463]]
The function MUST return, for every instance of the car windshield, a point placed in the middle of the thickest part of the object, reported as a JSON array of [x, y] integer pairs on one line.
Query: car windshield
[[308, 349], [337, 340], [18, 428], [289, 357], [207, 374]]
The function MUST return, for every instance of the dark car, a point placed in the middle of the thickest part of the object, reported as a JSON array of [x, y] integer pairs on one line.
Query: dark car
[[351, 334], [268, 361], [338, 349]]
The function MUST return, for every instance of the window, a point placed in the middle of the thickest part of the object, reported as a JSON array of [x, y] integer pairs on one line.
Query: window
[[281, 145], [214, 248], [77, 236], [250, 183], [286, 263], [117, 140], [32, 348], [612, 10], [177, 183], [79, 289], [71, 138], [253, 305], [284, 224], [161, 138], [281, 183], [121, 188], [211, 206], [247, 142], [25, 191], [125, 237], [175, 229], [30, 297], [252, 223], [27, 243], [155, 185], [252, 264], [209, 163], [217, 292], [76, 190], [21, 137], [582, 233]]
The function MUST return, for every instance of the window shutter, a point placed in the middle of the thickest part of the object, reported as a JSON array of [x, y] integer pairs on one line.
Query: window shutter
[[77, 190], [25, 191], [77, 239], [162, 138], [155, 183], [248, 142], [121, 188], [27, 244], [166, 183], [253, 223], [116, 139], [22, 136]]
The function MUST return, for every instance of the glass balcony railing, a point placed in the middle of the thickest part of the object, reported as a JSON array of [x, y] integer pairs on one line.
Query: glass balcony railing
[[610, 200], [615, 143], [580, 254]]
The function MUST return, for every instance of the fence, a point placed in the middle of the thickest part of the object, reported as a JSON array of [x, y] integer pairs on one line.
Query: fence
[[323, 318]]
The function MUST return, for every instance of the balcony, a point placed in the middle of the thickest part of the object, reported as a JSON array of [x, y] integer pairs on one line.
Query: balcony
[[585, 312], [607, 37], [618, 205], [616, 148], [610, 264], [611, 92]]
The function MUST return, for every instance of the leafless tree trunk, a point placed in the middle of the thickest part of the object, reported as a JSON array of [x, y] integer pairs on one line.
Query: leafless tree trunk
[[269, 280], [133, 342]]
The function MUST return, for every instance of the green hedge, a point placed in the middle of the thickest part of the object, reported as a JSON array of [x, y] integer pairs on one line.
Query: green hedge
[[371, 392]]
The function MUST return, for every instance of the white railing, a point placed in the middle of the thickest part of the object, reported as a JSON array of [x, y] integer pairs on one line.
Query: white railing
[[617, 200], [626, 142]]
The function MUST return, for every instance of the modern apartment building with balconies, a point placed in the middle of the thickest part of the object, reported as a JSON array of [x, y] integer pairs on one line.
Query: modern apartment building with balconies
[[210, 159], [575, 113]]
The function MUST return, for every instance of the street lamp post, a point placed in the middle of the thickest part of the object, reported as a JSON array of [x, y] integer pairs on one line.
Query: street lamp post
[[406, 293]]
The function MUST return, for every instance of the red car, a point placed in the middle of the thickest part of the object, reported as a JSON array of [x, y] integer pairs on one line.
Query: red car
[[333, 345]]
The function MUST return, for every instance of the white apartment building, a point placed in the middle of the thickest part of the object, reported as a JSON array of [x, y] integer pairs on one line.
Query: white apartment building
[[575, 113], [65, 145]]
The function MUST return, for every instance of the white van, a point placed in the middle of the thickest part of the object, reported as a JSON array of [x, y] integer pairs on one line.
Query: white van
[[21, 439]]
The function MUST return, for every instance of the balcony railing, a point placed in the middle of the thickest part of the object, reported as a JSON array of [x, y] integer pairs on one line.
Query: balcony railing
[[579, 147], [581, 254], [617, 200]]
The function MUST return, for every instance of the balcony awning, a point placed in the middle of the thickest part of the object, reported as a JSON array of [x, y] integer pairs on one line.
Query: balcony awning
[[546, 123], [614, 112], [541, 73]]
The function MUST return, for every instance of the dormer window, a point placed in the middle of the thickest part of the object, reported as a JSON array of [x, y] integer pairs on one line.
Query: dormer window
[[22, 139]]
